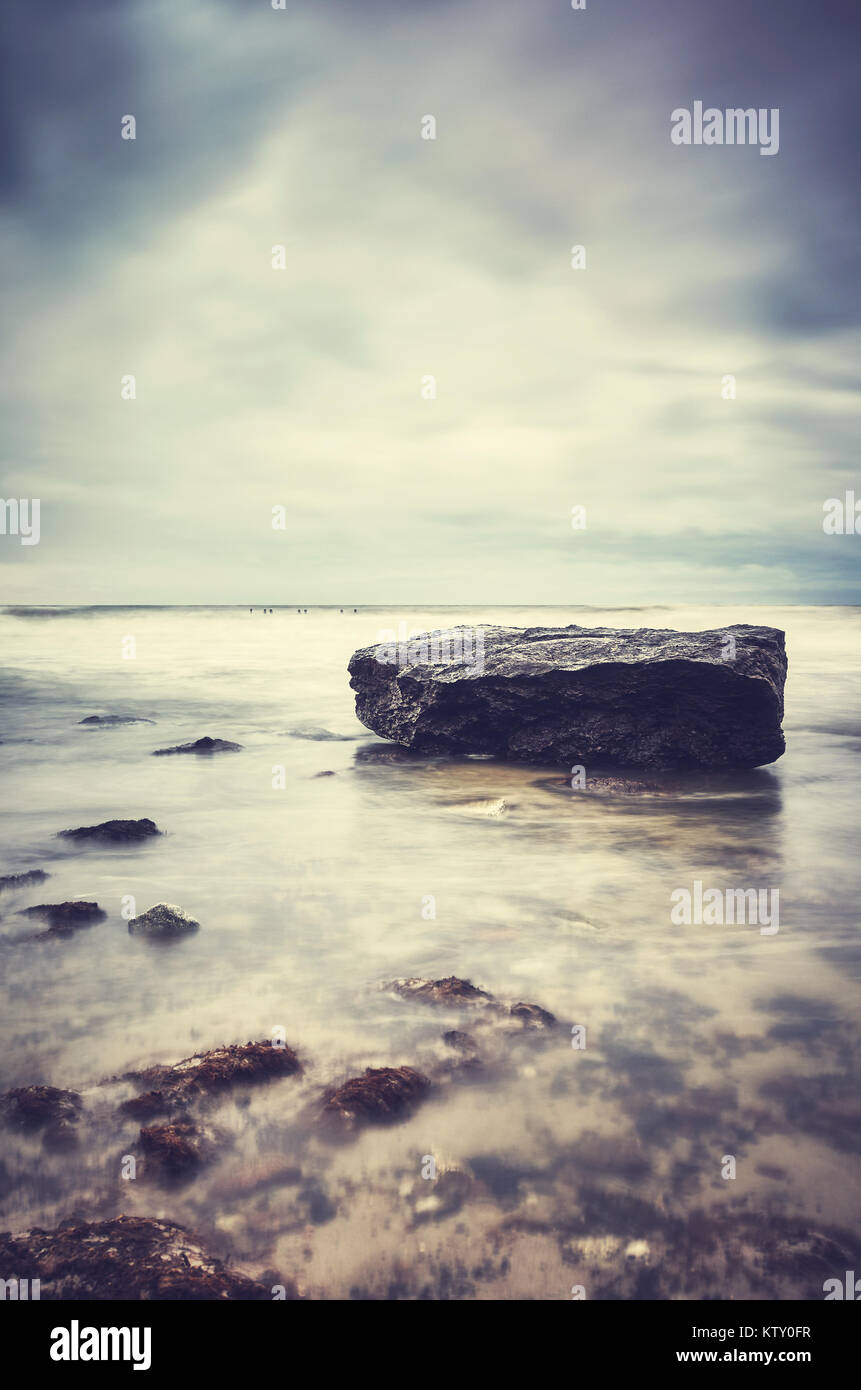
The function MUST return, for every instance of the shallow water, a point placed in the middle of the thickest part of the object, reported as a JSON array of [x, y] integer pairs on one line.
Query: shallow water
[[600, 1166]]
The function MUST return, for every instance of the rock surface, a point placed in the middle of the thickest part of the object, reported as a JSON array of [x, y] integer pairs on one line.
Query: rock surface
[[46, 1108], [201, 745], [64, 918], [593, 696], [450, 990], [380, 1095], [207, 1073], [131, 1257], [32, 1107], [109, 721], [114, 831], [175, 1151], [26, 880], [165, 919]]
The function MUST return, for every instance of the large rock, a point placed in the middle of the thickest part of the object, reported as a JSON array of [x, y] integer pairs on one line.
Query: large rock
[[576, 695]]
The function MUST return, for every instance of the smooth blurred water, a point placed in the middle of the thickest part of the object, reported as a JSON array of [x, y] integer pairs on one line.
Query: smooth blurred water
[[701, 1041]]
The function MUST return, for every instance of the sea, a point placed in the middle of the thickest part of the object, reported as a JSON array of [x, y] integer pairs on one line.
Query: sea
[[691, 1126]]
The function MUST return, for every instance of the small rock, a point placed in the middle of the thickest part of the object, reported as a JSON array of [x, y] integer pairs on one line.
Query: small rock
[[461, 1042], [64, 918], [380, 1096], [165, 919], [202, 745], [175, 1150], [532, 1016], [113, 831], [26, 880], [492, 808], [450, 990], [106, 721], [318, 735], [33, 1107]]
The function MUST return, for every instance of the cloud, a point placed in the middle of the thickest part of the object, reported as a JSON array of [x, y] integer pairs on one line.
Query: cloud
[[406, 259]]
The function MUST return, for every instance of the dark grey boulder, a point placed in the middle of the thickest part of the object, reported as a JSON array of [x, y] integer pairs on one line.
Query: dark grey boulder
[[65, 918], [597, 697], [201, 745], [116, 832], [25, 880], [165, 919]]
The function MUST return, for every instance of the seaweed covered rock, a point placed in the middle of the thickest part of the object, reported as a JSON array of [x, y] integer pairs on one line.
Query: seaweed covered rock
[[175, 1151], [381, 1095], [207, 1074], [131, 1257], [48, 1109]]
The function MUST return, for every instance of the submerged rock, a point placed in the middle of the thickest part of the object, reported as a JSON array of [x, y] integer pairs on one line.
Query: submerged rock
[[202, 745], [32, 1107], [532, 1016], [165, 919], [380, 1095], [108, 721], [175, 1151], [450, 990], [64, 918], [582, 696], [208, 1073], [436, 1198], [456, 992], [28, 879], [131, 1257], [318, 735], [113, 831], [46, 1108]]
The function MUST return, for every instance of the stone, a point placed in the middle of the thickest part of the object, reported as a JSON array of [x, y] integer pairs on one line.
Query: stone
[[130, 1257], [175, 1151], [202, 745], [449, 990], [381, 1095], [165, 919], [48, 1109], [206, 1074], [29, 879], [110, 721], [64, 918], [114, 831], [533, 1017], [596, 697]]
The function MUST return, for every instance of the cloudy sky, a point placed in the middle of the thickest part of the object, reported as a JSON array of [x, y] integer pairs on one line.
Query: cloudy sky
[[409, 258]]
